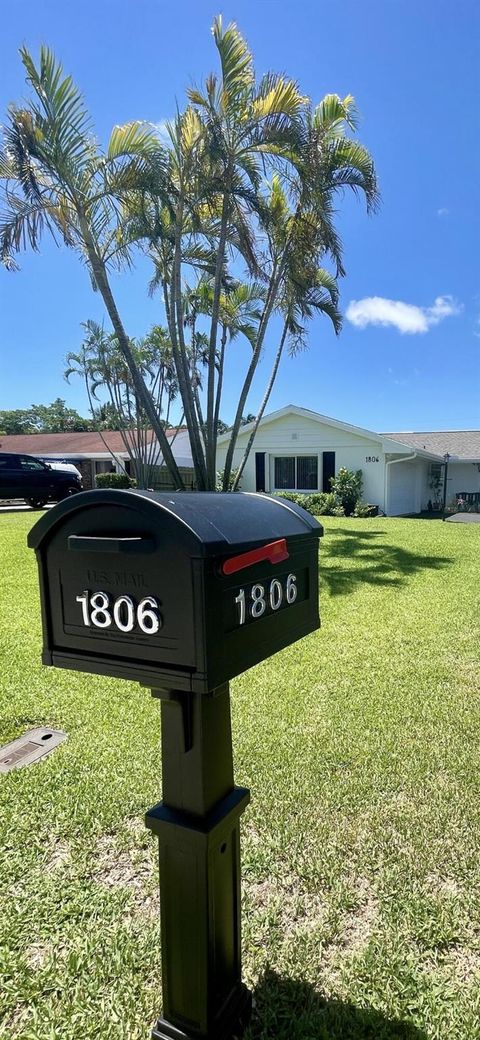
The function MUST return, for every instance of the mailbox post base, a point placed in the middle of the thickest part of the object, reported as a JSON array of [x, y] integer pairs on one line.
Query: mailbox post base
[[231, 1023]]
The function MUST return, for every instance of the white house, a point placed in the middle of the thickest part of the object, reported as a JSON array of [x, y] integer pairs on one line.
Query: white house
[[296, 449]]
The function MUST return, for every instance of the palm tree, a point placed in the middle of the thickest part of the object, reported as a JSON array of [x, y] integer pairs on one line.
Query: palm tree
[[56, 179], [324, 162], [101, 365], [204, 203], [233, 127]]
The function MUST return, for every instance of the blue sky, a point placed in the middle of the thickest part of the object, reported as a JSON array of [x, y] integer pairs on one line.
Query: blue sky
[[409, 355]]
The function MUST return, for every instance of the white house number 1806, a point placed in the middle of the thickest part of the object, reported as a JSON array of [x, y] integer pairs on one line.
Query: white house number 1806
[[100, 610], [260, 597]]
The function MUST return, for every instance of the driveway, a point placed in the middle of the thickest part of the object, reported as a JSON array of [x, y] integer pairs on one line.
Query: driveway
[[463, 518]]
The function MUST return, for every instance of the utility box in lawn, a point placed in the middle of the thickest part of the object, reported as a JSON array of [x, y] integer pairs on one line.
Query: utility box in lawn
[[182, 592]]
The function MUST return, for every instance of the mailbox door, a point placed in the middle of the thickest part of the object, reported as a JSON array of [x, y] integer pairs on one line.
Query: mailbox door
[[261, 609], [122, 594]]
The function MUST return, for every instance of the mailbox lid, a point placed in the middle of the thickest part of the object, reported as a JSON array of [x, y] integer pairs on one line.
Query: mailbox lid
[[221, 521], [243, 519], [213, 521]]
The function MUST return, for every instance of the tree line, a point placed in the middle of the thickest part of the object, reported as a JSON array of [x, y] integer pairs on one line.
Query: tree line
[[48, 418], [236, 213]]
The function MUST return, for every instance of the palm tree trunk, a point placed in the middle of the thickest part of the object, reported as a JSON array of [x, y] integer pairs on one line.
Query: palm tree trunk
[[193, 377], [179, 353], [269, 304], [212, 350], [266, 397], [101, 279], [221, 366]]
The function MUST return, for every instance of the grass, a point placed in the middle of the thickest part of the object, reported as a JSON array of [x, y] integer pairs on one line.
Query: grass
[[361, 872]]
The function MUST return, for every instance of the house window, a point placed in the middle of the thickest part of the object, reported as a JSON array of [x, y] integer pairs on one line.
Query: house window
[[104, 466], [296, 473]]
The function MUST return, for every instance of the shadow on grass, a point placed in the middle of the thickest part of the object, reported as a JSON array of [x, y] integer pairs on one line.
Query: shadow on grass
[[286, 1009], [374, 563]]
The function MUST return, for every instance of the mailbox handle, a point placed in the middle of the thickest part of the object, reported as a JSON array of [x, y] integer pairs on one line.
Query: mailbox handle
[[108, 544]]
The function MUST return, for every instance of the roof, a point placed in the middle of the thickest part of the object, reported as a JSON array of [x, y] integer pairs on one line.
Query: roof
[[68, 444], [461, 444], [390, 443]]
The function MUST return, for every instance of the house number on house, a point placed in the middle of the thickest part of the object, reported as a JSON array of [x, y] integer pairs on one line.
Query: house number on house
[[100, 610], [255, 601], [372, 458]]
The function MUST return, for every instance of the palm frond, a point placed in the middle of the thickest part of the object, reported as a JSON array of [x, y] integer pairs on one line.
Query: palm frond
[[60, 116], [348, 164], [8, 169], [22, 225], [333, 113], [197, 98], [326, 281], [135, 138], [20, 138], [278, 95], [236, 61]]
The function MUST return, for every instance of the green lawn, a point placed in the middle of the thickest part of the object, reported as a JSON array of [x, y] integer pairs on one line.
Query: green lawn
[[361, 864]]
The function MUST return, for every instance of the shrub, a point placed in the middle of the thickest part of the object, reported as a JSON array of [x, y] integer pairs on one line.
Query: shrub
[[319, 503], [364, 509], [347, 488], [219, 484], [327, 505], [114, 480]]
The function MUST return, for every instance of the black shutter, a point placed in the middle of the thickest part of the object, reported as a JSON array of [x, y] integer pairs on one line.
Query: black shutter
[[328, 470], [260, 471]]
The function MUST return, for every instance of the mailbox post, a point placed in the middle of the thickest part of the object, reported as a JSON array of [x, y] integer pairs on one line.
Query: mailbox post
[[181, 593]]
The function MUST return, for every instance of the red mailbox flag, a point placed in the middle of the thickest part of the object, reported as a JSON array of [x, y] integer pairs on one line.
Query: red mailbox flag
[[275, 552]]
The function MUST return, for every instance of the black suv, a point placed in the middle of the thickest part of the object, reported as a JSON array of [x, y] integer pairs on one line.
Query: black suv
[[23, 476]]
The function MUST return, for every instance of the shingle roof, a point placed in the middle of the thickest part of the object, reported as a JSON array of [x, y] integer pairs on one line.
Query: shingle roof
[[86, 444], [463, 444]]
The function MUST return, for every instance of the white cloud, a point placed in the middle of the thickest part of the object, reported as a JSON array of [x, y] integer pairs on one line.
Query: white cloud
[[443, 211], [406, 317]]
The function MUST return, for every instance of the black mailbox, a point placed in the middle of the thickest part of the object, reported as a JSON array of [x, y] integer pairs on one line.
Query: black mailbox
[[181, 590]]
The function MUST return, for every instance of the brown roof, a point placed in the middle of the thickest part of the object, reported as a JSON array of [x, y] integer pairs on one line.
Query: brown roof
[[461, 444], [86, 444]]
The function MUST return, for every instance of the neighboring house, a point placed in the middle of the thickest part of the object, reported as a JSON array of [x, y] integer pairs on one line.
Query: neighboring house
[[91, 453], [299, 450]]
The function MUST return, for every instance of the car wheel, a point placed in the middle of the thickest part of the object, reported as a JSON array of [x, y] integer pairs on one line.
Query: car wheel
[[71, 490], [36, 503]]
